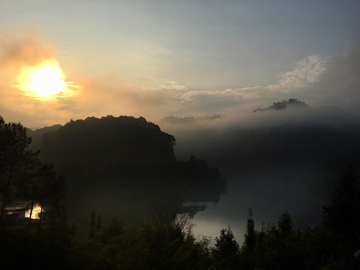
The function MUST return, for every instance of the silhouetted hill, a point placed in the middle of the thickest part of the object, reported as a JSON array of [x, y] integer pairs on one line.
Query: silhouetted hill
[[108, 141], [291, 103], [124, 166], [37, 134]]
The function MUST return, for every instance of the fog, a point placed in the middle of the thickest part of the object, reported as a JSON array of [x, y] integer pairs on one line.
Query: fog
[[276, 158], [273, 160]]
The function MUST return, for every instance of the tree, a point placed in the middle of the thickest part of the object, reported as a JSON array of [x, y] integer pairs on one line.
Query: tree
[[342, 217], [23, 177], [94, 228], [226, 253], [27, 188], [15, 160], [249, 244], [50, 191], [285, 224]]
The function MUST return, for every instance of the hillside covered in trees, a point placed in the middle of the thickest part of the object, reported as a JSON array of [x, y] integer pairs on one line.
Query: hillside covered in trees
[[291, 103], [124, 166]]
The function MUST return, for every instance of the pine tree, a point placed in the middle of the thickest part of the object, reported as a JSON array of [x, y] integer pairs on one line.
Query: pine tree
[[342, 216], [250, 235], [285, 224], [226, 253], [249, 244], [15, 160]]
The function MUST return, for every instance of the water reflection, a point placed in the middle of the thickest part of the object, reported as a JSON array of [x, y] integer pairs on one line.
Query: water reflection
[[267, 201]]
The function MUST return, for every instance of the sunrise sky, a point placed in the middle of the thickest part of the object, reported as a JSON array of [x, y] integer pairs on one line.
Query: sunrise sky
[[179, 58]]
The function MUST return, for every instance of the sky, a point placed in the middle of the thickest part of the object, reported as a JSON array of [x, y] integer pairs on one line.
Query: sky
[[176, 58]]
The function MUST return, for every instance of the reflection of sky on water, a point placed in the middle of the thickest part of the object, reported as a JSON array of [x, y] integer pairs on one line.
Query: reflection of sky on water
[[268, 202]]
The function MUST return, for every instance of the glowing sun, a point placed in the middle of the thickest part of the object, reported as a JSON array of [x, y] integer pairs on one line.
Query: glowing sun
[[46, 81]]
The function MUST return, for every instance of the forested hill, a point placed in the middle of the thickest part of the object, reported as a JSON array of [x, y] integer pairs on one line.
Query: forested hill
[[124, 166], [108, 141], [291, 103], [36, 135]]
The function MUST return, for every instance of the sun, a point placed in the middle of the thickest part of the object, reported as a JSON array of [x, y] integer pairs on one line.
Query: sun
[[46, 81]]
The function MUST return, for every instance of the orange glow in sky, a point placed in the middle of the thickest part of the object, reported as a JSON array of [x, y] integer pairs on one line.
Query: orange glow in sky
[[45, 81]]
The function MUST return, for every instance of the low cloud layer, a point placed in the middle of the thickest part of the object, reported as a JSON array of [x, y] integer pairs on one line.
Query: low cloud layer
[[333, 81], [272, 159]]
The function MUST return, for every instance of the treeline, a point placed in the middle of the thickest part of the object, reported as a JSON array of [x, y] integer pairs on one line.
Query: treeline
[[334, 244], [25, 181], [166, 241], [292, 102]]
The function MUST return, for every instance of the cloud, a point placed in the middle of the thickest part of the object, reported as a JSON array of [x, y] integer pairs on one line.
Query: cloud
[[103, 95], [306, 72], [171, 86], [19, 52], [340, 83], [228, 101], [228, 96], [305, 82], [316, 80], [26, 48], [109, 95]]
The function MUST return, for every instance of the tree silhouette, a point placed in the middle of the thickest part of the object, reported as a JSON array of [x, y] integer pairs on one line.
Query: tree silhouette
[[249, 243], [342, 216], [15, 160], [50, 190], [226, 253], [285, 224], [23, 177]]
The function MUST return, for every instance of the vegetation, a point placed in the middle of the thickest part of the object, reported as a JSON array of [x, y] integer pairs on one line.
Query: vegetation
[[165, 239], [165, 242], [124, 166], [291, 103], [24, 179]]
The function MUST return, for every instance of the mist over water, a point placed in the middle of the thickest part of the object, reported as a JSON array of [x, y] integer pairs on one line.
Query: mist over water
[[272, 161], [267, 200]]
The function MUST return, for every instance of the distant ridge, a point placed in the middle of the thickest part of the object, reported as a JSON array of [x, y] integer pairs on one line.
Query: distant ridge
[[174, 120], [292, 102]]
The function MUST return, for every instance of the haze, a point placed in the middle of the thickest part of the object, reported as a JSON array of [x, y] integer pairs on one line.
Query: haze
[[192, 59]]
